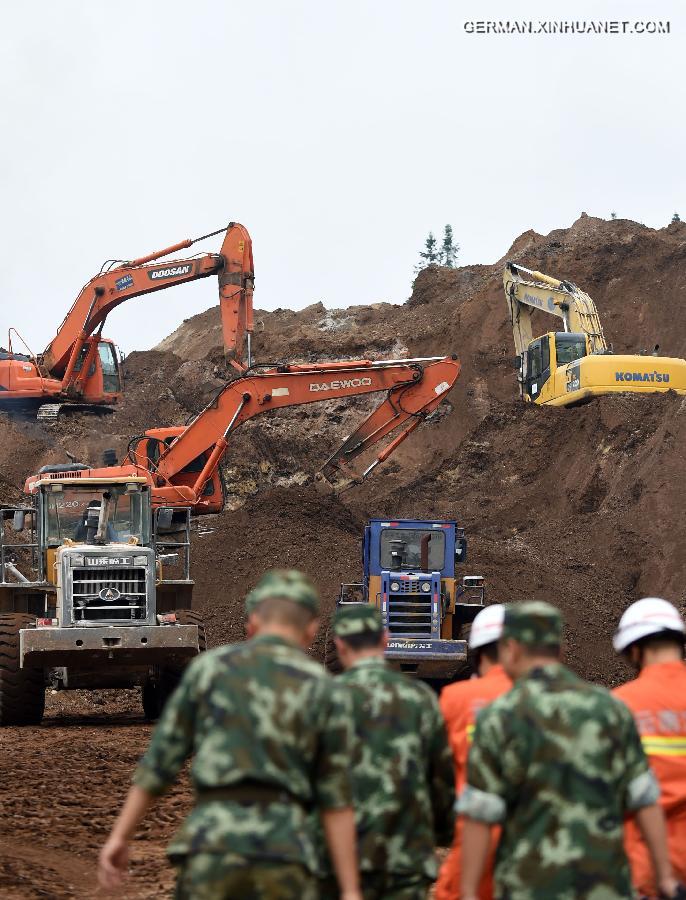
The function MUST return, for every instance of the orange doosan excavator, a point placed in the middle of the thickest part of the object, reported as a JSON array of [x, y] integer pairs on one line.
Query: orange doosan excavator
[[81, 369]]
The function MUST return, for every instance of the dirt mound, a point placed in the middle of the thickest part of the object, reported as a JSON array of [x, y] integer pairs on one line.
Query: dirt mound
[[581, 507], [281, 528], [23, 447]]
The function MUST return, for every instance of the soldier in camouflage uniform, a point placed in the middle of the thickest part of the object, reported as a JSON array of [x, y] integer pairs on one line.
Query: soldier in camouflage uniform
[[559, 763], [402, 766], [270, 734]]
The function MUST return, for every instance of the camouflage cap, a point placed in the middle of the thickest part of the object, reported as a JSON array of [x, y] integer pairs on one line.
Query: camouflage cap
[[357, 618], [535, 623], [284, 584]]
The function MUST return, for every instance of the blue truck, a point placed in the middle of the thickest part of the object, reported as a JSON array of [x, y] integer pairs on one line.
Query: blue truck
[[411, 574]]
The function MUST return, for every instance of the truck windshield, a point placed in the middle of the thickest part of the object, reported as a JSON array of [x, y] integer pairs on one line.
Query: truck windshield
[[66, 513], [418, 549], [569, 347]]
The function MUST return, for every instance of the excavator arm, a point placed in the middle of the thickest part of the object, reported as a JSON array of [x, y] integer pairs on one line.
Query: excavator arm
[[527, 290], [233, 264], [414, 389], [404, 408]]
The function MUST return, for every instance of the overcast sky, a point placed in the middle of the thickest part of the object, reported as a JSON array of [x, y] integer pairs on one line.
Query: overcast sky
[[339, 133]]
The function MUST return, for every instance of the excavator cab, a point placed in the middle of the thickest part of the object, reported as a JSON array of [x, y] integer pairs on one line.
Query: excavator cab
[[546, 365], [104, 375], [569, 347], [147, 449]]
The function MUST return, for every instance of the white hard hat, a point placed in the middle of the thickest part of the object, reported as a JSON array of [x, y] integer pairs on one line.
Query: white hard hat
[[645, 617], [487, 627]]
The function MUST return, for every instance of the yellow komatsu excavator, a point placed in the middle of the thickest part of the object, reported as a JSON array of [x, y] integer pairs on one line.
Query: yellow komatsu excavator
[[566, 367]]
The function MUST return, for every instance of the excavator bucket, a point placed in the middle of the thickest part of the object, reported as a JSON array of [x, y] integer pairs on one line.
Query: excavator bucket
[[401, 412], [236, 285]]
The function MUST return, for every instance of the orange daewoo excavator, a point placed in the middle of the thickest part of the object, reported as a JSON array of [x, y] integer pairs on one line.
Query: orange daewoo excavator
[[81, 369], [180, 464]]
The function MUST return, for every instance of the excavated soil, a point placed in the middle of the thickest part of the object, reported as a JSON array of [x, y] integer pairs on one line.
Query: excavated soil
[[583, 507]]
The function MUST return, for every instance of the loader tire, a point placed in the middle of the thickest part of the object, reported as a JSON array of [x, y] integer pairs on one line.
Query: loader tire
[[159, 688], [22, 691], [191, 617], [153, 699], [331, 660], [464, 631]]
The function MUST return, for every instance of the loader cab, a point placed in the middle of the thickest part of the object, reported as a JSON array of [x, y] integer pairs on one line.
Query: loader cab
[[411, 573], [544, 357], [410, 566], [81, 531], [94, 513]]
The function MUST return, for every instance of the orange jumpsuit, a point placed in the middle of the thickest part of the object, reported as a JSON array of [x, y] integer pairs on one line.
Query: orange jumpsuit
[[657, 699], [460, 704]]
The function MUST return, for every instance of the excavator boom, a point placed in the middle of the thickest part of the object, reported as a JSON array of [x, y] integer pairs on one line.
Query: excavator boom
[[415, 388], [108, 289], [527, 290], [191, 455]]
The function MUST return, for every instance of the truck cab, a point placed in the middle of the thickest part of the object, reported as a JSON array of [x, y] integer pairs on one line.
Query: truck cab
[[411, 572], [90, 594]]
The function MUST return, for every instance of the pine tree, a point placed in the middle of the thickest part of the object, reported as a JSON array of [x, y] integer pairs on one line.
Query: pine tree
[[429, 256], [449, 249], [613, 215], [676, 218]]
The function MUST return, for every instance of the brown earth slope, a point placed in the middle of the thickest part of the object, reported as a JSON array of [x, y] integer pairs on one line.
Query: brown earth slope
[[546, 493], [580, 506]]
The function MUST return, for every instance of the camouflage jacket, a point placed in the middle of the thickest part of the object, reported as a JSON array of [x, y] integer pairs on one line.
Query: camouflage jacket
[[559, 762], [402, 771], [260, 711]]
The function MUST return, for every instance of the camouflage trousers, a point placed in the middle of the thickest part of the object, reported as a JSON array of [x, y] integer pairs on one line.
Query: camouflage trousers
[[213, 876], [381, 886]]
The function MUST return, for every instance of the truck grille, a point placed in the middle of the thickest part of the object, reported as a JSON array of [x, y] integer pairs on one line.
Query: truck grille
[[409, 614], [408, 585], [109, 594]]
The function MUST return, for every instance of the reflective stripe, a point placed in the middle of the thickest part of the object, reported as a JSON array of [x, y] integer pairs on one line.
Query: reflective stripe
[[643, 791], [470, 733], [661, 745], [480, 805]]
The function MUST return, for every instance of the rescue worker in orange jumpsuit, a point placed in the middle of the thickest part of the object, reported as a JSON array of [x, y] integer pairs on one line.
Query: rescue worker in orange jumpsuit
[[651, 635], [460, 703]]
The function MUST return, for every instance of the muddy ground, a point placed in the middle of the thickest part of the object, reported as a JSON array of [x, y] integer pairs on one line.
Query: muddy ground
[[582, 507]]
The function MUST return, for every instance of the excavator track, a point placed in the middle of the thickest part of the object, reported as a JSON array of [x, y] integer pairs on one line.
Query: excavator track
[[48, 413]]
